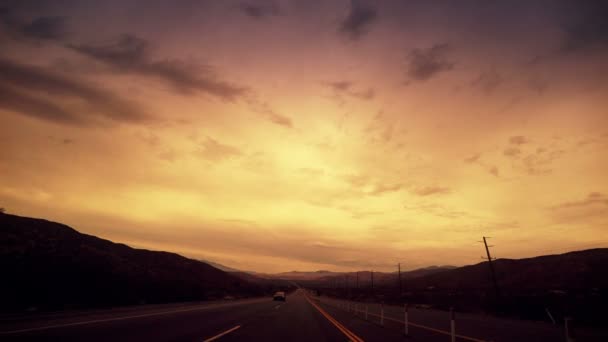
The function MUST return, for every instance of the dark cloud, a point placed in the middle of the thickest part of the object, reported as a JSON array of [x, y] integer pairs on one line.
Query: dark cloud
[[472, 159], [540, 161], [431, 190], [381, 129], [14, 100], [476, 159], [518, 140], [260, 10], [594, 207], [488, 81], [380, 189], [437, 210], [62, 141], [278, 119], [348, 88], [538, 85], [39, 28], [357, 180], [44, 89], [50, 28], [264, 110], [591, 199], [213, 150], [423, 64], [131, 54], [585, 25], [340, 85], [360, 16], [512, 152]]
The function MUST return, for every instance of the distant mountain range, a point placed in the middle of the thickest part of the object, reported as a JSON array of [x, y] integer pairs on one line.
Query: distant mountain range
[[363, 275], [47, 265], [573, 270], [579, 270], [323, 274]]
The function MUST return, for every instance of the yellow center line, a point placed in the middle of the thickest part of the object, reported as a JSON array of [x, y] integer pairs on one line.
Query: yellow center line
[[340, 327], [222, 334]]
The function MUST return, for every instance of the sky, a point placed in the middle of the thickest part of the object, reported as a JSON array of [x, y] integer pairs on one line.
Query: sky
[[304, 135]]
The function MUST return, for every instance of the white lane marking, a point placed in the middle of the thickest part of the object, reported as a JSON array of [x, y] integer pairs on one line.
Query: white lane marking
[[278, 306], [125, 317], [222, 334]]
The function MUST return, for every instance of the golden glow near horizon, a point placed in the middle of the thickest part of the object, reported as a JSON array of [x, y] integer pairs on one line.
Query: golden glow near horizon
[[284, 136]]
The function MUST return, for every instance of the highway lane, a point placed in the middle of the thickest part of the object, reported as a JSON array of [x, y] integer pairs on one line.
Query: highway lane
[[474, 326], [301, 318], [182, 323], [244, 320]]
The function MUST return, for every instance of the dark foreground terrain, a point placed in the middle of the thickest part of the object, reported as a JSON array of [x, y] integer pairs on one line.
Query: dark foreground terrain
[[50, 266]]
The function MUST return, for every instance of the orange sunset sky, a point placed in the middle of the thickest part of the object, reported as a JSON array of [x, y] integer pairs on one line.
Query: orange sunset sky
[[281, 135]]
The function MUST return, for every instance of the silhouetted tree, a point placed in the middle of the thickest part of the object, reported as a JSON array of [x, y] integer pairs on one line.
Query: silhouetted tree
[[2, 210]]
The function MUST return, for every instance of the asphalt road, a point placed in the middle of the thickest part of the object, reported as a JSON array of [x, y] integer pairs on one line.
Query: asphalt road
[[260, 319], [300, 318]]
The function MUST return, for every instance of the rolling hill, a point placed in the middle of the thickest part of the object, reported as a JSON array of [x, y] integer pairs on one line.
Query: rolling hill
[[47, 265], [569, 271]]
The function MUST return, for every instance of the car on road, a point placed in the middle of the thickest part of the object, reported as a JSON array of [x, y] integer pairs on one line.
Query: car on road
[[280, 296]]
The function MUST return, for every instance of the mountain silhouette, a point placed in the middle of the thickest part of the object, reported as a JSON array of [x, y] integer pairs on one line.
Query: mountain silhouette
[[47, 265]]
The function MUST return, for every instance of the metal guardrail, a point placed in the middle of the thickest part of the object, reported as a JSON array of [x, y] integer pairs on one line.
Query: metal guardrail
[[406, 323]]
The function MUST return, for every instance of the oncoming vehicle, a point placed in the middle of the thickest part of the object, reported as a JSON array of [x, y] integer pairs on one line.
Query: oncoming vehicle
[[279, 296]]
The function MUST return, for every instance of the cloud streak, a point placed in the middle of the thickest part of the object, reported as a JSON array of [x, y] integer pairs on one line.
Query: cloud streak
[[23, 103], [47, 28], [431, 190], [131, 54], [592, 198], [215, 151], [38, 29], [360, 17], [34, 84], [347, 88], [259, 10], [423, 64]]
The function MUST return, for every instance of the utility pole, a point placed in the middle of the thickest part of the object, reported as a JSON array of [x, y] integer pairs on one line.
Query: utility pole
[[399, 271], [372, 280], [347, 286], [357, 280], [490, 259]]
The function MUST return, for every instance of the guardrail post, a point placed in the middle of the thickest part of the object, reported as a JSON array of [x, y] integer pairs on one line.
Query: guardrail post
[[366, 309], [406, 321], [382, 314], [452, 325], [567, 328]]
